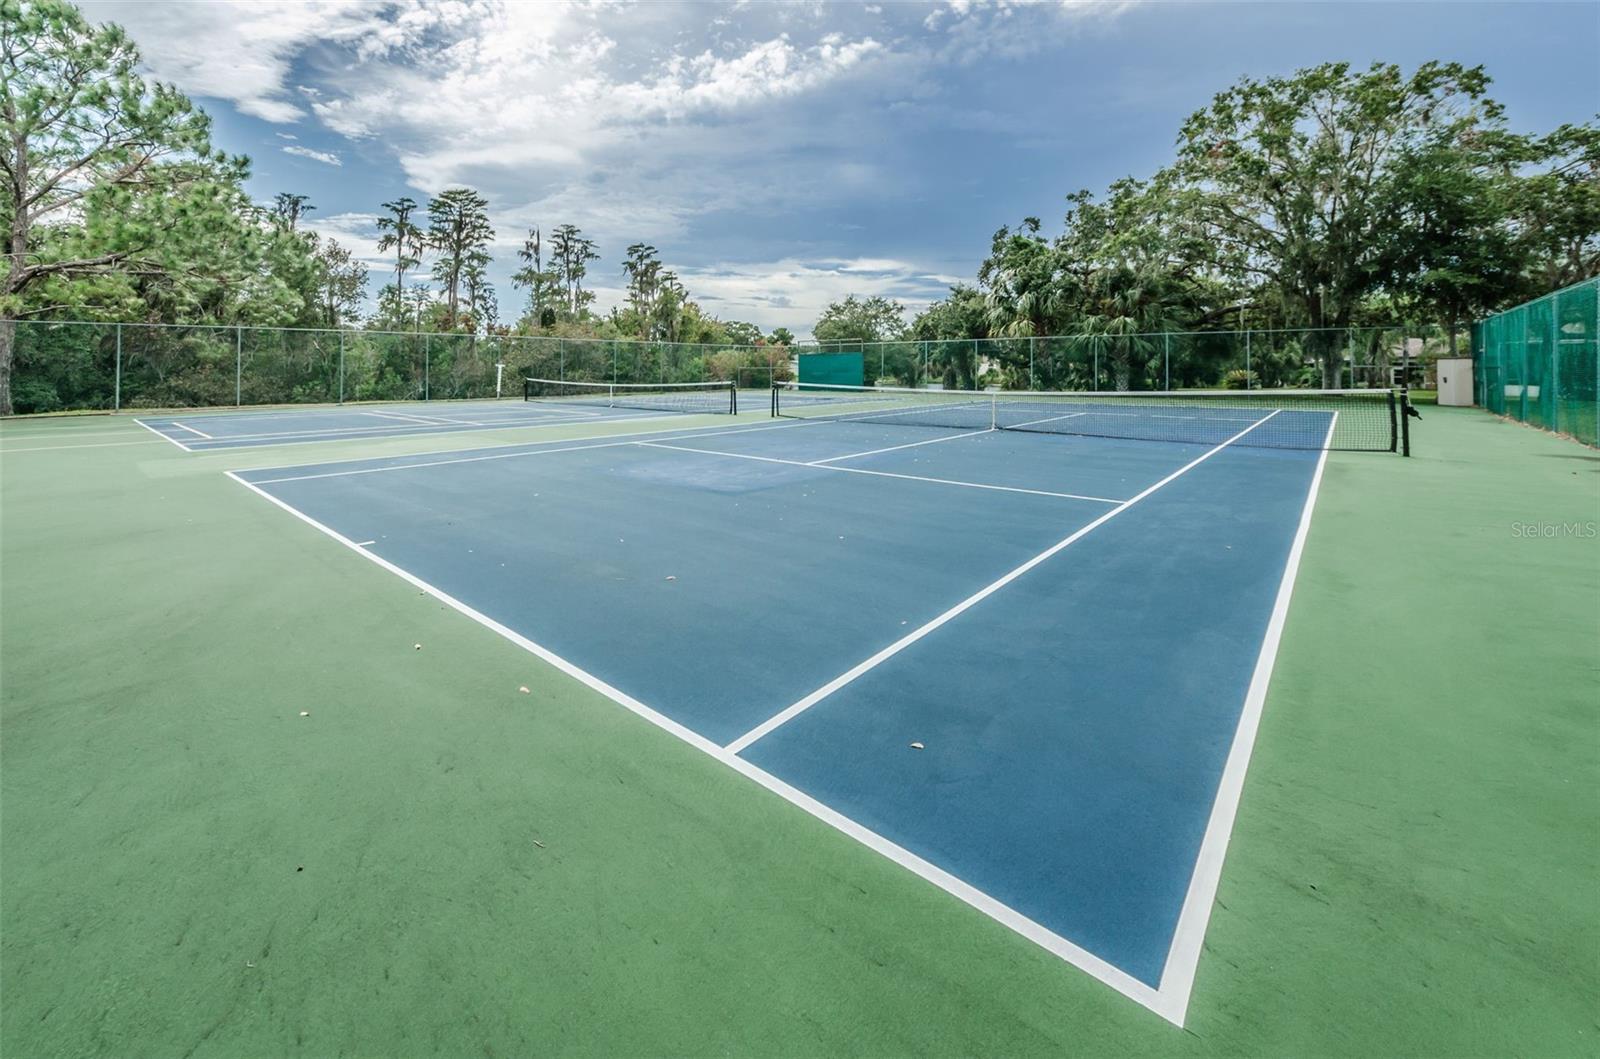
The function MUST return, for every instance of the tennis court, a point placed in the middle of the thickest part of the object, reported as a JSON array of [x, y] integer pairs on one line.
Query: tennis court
[[579, 403], [775, 729], [1024, 667]]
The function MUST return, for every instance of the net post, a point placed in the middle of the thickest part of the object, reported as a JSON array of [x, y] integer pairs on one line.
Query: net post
[[116, 397], [733, 397], [1031, 385], [341, 366], [1405, 421], [1166, 361], [427, 358], [774, 400], [238, 365]]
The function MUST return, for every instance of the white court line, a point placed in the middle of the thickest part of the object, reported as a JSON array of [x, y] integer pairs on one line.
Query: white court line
[[896, 448], [163, 437], [520, 446], [778, 720], [58, 434], [96, 445], [406, 418], [1183, 957], [318, 434], [1047, 419], [1040, 935], [875, 474], [395, 430], [609, 444], [191, 430]]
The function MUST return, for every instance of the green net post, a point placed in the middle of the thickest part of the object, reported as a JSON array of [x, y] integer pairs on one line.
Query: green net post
[[1031, 384], [1166, 360], [238, 365], [341, 366], [1247, 361], [427, 366], [116, 392]]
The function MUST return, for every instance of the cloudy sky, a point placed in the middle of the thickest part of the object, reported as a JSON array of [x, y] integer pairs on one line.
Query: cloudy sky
[[779, 156]]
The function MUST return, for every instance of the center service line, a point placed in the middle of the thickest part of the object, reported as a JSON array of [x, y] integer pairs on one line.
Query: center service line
[[780, 719]]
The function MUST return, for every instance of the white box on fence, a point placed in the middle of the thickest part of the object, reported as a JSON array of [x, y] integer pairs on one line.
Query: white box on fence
[[1455, 380]]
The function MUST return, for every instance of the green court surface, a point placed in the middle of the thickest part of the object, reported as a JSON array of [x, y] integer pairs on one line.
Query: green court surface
[[438, 862]]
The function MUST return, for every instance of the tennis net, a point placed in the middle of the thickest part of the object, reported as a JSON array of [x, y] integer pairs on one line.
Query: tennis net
[[1359, 420], [692, 397]]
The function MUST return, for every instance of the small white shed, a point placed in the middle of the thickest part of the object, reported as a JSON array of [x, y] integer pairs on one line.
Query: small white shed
[[1455, 380]]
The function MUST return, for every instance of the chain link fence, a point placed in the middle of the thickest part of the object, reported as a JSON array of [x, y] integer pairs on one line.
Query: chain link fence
[[1540, 362], [66, 366], [72, 366], [1355, 358]]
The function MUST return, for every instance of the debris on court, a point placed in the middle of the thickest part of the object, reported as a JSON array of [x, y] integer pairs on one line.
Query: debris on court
[[917, 746], [672, 577], [305, 713], [417, 646], [524, 689]]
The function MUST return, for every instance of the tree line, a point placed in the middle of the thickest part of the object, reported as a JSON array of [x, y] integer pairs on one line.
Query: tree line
[[116, 205], [1330, 199]]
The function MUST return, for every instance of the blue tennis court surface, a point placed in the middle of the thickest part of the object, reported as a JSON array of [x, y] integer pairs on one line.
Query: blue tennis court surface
[[1027, 668], [249, 429]]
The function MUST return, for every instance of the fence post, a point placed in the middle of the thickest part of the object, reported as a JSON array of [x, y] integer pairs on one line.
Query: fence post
[[561, 365], [1553, 379], [427, 355], [1096, 384], [1031, 384], [341, 367], [1166, 360], [238, 365], [1247, 361], [116, 397]]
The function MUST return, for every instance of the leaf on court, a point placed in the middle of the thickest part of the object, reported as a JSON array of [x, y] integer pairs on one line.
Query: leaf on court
[[916, 746]]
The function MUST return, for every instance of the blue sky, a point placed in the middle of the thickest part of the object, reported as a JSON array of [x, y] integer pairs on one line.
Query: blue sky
[[778, 156]]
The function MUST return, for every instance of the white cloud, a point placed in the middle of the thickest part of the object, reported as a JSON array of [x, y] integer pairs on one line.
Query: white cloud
[[644, 122], [325, 157], [790, 291], [358, 233], [244, 52]]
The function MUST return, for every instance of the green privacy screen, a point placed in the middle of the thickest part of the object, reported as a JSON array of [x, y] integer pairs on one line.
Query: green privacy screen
[[832, 369], [1540, 362]]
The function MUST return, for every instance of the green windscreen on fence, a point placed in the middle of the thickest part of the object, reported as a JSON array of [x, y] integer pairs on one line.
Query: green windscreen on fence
[[1540, 362], [832, 369]]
